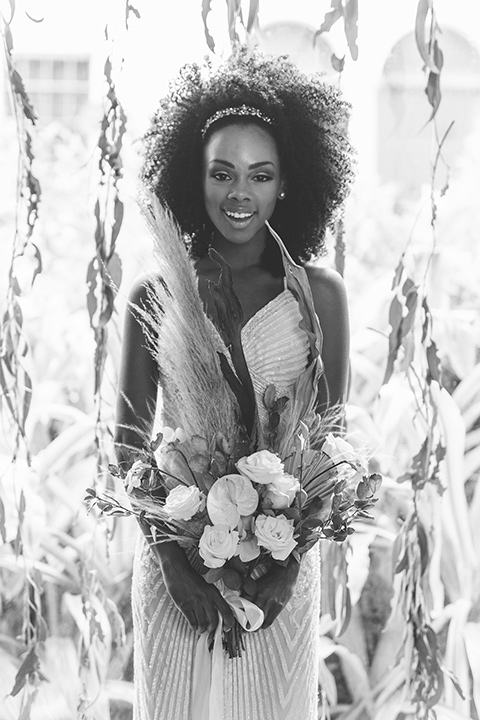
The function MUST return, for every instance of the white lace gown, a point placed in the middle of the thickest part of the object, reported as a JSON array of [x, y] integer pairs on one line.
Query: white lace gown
[[276, 677]]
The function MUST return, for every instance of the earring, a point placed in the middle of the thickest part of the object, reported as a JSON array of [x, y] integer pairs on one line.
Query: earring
[[281, 195]]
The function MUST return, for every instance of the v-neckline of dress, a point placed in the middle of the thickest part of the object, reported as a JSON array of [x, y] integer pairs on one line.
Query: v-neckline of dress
[[264, 308]]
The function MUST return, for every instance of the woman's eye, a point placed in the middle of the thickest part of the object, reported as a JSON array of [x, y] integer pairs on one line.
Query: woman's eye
[[221, 176], [262, 178]]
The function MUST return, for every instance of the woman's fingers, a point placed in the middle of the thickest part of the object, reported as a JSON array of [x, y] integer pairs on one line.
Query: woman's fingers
[[271, 610], [225, 611], [202, 613]]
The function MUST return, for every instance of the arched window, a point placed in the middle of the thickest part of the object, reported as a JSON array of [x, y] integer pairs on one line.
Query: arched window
[[405, 148], [298, 41]]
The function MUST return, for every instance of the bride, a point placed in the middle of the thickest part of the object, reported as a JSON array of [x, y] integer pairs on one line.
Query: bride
[[252, 160]]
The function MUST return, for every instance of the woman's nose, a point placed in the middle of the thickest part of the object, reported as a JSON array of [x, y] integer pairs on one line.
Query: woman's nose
[[239, 191]]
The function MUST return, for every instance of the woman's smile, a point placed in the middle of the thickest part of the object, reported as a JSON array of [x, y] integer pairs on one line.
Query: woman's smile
[[239, 218]]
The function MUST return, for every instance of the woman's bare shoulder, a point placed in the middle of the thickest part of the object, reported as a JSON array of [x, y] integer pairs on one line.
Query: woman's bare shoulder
[[328, 287], [142, 287]]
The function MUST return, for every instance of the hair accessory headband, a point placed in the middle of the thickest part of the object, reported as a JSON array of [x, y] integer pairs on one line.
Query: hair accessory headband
[[241, 110]]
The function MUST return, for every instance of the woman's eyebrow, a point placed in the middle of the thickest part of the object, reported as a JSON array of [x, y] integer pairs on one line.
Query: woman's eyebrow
[[250, 167]]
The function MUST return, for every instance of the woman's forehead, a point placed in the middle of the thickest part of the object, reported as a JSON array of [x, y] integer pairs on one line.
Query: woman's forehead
[[241, 138]]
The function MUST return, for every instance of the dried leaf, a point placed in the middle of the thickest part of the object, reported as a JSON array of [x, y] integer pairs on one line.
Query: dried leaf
[[331, 17], [398, 274], [234, 11], [273, 420], [206, 7], [350, 18], [338, 64], [312, 523], [280, 404], [394, 341], [269, 395], [27, 399], [29, 667], [114, 270], [21, 93], [433, 92], [423, 8], [35, 20], [129, 8], [199, 463], [92, 304], [118, 219], [434, 364], [8, 38], [252, 21], [409, 321], [3, 529]]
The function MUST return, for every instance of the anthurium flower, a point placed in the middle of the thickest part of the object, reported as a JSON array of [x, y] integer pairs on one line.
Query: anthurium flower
[[230, 497]]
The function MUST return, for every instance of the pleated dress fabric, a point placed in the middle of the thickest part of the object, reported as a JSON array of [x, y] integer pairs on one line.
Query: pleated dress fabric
[[276, 677]]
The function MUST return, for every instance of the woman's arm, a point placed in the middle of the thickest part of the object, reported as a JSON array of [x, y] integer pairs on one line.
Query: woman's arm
[[136, 404], [330, 300], [137, 392]]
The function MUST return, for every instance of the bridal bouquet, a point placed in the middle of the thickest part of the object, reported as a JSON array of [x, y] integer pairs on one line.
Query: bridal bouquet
[[238, 493], [251, 509], [239, 516]]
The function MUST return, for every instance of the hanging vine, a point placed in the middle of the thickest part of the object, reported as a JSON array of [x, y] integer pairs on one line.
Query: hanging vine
[[15, 380], [236, 22], [104, 272]]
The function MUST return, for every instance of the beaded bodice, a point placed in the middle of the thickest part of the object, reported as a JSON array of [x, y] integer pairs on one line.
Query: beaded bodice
[[276, 348]]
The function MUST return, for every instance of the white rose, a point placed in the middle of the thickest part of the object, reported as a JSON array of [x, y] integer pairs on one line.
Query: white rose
[[217, 544], [281, 492], [184, 502], [133, 478], [340, 451], [261, 467], [230, 497], [276, 535]]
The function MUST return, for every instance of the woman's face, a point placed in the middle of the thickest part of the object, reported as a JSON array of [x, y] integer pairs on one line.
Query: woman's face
[[241, 181]]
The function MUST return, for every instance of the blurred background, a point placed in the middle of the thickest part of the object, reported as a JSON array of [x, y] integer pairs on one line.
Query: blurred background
[[408, 246]]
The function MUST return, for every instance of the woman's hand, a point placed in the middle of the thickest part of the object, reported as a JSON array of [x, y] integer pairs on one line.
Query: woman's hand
[[199, 601], [275, 588]]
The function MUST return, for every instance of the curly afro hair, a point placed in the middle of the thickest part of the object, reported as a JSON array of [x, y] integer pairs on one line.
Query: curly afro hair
[[309, 125]]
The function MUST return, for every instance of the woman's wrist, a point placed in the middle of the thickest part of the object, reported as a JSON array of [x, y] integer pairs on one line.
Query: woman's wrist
[[169, 554], [292, 568]]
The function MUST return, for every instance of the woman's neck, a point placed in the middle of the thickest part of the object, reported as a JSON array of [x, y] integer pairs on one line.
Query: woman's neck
[[242, 256]]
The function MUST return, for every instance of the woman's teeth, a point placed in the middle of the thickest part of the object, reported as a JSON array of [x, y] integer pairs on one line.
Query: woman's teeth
[[238, 215]]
